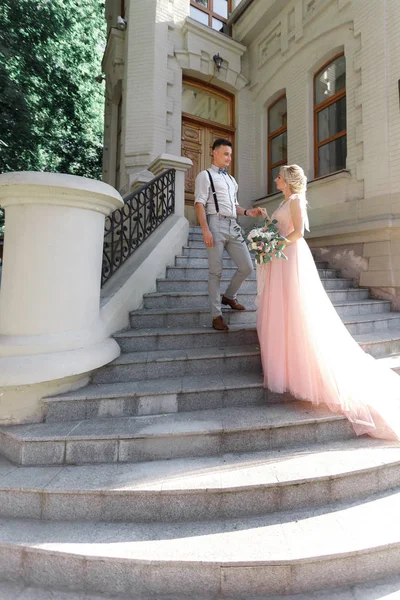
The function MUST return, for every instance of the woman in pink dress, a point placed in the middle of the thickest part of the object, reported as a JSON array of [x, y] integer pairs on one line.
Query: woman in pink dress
[[305, 347]]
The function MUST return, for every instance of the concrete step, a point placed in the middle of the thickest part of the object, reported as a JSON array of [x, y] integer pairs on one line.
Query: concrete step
[[179, 435], [296, 552], [158, 364], [250, 285], [191, 299], [200, 317], [193, 489], [160, 396], [189, 271]]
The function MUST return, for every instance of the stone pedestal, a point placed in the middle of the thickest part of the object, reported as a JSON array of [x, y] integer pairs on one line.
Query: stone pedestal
[[50, 327]]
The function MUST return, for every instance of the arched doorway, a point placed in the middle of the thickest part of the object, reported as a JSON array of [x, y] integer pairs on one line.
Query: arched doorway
[[207, 114]]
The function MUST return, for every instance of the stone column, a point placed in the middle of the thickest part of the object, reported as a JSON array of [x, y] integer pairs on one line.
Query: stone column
[[50, 325]]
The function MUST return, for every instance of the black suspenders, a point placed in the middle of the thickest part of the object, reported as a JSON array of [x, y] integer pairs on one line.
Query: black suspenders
[[214, 193]]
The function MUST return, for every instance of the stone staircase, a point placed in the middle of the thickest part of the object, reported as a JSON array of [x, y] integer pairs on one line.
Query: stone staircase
[[174, 474]]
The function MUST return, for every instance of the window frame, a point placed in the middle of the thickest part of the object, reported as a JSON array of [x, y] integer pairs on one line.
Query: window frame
[[322, 106], [210, 13], [272, 136]]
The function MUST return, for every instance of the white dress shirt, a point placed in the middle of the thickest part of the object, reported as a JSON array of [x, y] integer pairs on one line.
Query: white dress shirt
[[225, 188]]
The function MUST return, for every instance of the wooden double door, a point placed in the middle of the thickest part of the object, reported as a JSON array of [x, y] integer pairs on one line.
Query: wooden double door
[[197, 141]]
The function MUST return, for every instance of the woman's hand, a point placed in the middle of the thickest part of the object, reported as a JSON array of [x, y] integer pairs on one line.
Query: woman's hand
[[258, 212]]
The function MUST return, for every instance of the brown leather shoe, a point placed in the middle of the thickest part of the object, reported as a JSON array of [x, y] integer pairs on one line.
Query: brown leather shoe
[[232, 303], [219, 324]]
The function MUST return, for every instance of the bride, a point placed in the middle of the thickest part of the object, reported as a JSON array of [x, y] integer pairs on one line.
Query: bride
[[305, 347]]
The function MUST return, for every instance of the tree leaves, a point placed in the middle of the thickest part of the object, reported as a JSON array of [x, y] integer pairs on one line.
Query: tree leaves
[[51, 107]]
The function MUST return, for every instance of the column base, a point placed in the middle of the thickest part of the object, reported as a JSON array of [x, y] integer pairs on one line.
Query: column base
[[40, 368]]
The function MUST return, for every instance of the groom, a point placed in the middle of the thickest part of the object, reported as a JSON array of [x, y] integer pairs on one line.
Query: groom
[[216, 209]]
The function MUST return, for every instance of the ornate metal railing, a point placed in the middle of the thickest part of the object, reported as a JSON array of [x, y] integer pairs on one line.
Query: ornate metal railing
[[128, 227]]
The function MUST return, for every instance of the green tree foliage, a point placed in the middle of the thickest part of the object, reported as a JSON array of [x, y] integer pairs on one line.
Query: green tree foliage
[[51, 107]]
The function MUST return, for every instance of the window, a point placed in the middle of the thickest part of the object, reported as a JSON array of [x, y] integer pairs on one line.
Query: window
[[213, 13], [330, 147], [277, 139], [203, 103]]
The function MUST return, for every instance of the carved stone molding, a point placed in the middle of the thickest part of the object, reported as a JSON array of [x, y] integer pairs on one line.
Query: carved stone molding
[[201, 43], [113, 61]]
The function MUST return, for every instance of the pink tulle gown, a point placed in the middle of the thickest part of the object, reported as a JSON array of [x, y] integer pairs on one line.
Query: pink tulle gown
[[306, 349]]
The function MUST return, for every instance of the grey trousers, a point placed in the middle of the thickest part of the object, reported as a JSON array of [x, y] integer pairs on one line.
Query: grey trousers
[[227, 236]]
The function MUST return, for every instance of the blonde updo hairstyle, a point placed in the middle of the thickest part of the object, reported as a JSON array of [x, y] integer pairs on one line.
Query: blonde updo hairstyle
[[294, 176]]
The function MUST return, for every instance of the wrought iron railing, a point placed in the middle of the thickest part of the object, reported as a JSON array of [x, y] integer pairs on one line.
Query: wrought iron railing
[[128, 227]]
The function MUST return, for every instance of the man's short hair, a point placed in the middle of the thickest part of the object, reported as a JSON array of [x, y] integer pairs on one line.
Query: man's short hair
[[221, 142]]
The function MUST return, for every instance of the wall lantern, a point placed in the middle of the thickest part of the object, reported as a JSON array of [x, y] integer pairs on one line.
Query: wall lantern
[[218, 61]]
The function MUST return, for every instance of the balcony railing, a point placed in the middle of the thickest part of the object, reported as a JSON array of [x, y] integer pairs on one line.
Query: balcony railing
[[128, 227]]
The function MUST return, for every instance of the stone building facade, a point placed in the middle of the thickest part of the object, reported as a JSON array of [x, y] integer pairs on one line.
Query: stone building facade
[[314, 82]]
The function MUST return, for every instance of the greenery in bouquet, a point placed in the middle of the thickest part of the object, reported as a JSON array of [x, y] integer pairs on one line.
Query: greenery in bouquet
[[266, 243]]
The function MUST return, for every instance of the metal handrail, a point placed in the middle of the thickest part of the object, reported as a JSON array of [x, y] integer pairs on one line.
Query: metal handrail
[[128, 227]]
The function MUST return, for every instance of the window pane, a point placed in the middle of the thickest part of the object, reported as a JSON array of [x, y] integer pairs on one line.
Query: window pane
[[273, 174], [331, 80], [220, 7], [277, 115], [217, 24], [279, 148], [332, 156], [199, 15], [202, 103], [332, 120], [202, 3]]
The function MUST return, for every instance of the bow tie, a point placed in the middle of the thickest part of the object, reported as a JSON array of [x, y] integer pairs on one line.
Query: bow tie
[[223, 171]]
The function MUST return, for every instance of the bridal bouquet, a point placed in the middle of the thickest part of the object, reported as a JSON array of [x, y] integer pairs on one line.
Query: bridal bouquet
[[266, 242]]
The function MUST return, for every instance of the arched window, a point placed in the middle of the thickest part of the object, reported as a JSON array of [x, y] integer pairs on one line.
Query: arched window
[[330, 146], [213, 13], [277, 139]]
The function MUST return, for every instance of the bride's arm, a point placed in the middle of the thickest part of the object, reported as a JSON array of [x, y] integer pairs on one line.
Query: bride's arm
[[298, 222]]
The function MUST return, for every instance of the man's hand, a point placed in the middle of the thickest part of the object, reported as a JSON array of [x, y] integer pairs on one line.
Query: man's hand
[[208, 238], [258, 212]]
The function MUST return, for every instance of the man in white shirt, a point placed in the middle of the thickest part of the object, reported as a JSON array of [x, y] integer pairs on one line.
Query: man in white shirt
[[217, 209]]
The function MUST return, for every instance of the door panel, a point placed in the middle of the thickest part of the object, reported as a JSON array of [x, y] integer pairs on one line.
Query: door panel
[[197, 141], [192, 147]]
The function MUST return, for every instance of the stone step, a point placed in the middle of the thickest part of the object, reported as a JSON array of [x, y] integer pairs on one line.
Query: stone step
[[179, 435], [160, 396], [146, 340], [388, 589], [200, 317], [189, 251], [195, 272], [158, 364], [296, 552], [250, 285], [193, 489], [170, 395], [381, 344], [202, 261], [191, 299], [21, 591]]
